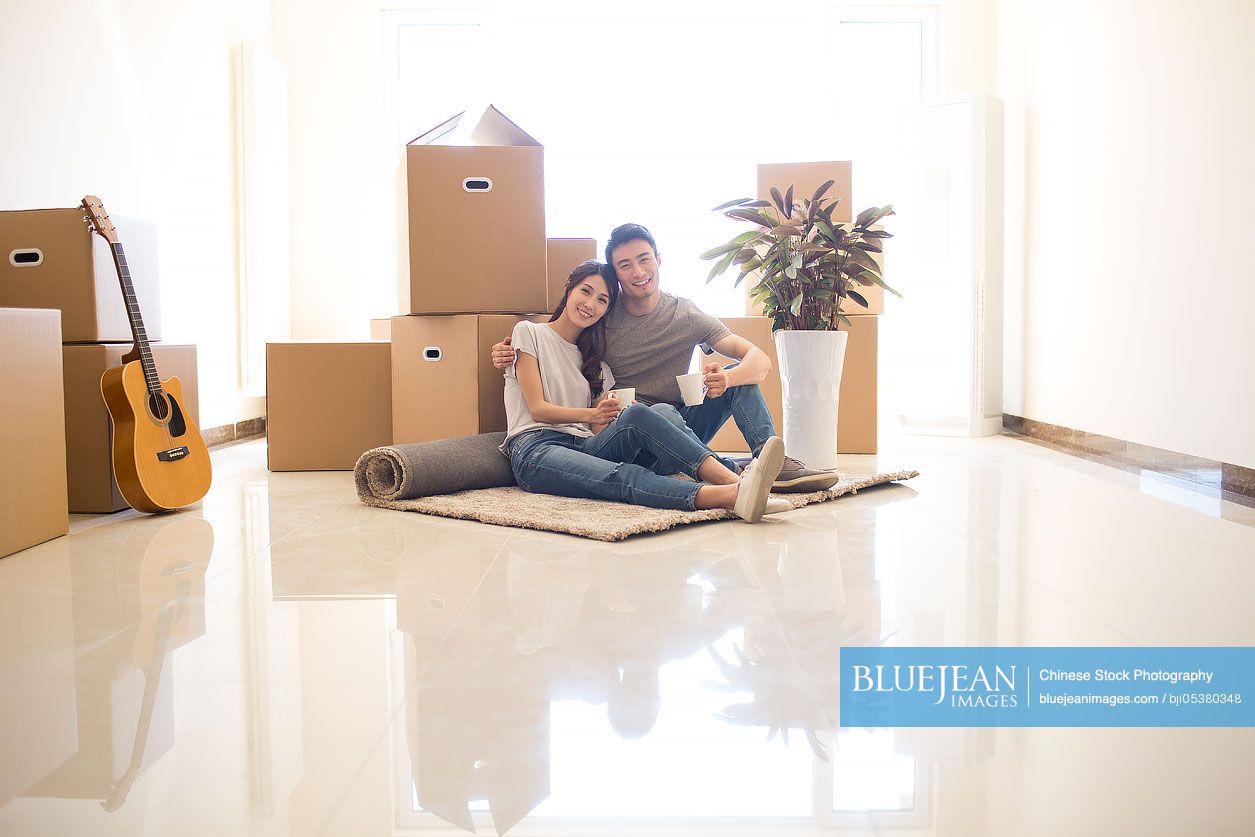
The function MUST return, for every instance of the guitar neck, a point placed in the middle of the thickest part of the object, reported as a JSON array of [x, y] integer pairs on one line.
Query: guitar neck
[[137, 321]]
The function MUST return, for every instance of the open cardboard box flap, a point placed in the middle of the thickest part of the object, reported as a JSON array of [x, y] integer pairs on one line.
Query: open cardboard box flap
[[494, 128]]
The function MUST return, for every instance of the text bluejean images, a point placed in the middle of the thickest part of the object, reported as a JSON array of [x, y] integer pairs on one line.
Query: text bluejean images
[[1048, 687]]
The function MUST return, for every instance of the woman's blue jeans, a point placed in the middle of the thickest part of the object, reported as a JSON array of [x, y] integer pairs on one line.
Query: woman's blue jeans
[[599, 467]]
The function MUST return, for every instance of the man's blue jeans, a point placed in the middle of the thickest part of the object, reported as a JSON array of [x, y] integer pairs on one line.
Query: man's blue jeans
[[599, 467], [744, 404]]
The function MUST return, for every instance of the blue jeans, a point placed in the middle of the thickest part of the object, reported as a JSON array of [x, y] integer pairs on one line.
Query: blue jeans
[[599, 467], [744, 404]]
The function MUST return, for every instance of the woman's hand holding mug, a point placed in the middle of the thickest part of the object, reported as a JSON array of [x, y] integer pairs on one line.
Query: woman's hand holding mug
[[607, 410]]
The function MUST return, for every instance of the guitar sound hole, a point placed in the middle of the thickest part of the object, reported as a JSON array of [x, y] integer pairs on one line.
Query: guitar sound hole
[[159, 406]]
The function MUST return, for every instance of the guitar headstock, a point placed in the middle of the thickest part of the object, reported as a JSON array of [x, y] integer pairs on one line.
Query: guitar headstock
[[99, 219]]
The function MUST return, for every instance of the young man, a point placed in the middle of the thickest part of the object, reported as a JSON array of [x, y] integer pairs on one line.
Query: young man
[[650, 337]]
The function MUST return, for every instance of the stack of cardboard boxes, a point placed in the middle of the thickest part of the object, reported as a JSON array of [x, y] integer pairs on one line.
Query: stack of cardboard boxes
[[52, 260], [474, 262], [856, 424]]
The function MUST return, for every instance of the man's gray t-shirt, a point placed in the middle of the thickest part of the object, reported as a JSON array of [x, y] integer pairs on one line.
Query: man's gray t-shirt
[[562, 382], [649, 352]]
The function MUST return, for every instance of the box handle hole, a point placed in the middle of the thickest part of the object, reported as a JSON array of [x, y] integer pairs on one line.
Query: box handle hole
[[477, 184], [432, 353], [28, 257]]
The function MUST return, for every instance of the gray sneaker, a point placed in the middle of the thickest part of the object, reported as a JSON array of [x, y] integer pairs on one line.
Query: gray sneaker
[[796, 478]]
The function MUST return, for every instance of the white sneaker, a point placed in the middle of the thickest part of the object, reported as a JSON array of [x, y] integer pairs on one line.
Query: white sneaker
[[756, 481], [776, 505]]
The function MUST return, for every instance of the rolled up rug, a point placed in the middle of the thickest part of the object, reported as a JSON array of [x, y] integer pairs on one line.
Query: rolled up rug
[[405, 472]]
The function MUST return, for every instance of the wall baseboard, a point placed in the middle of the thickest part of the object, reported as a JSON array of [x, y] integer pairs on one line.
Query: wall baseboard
[[1235, 483], [226, 434]]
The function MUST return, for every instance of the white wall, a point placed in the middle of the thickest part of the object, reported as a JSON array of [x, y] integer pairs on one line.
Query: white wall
[[967, 55], [131, 100], [1135, 124]]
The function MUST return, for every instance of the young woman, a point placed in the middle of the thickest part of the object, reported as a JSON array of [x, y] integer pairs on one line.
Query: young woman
[[569, 436]]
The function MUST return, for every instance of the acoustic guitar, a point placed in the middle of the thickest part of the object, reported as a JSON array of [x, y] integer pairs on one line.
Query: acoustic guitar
[[159, 457]]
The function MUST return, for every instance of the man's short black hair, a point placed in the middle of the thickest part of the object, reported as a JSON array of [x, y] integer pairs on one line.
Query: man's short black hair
[[624, 233]]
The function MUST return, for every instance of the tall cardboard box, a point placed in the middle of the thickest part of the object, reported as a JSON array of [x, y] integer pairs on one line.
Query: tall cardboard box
[[806, 178], [475, 220], [49, 258], [33, 506], [857, 411], [856, 423], [562, 255], [327, 402], [93, 488], [443, 380]]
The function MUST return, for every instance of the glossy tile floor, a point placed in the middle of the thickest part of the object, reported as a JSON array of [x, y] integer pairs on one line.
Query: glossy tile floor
[[284, 661]]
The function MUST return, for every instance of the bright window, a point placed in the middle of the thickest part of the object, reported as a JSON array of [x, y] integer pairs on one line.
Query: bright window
[[654, 112]]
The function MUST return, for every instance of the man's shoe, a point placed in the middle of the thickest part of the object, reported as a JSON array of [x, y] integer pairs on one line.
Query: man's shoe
[[756, 480], [796, 478], [776, 505]]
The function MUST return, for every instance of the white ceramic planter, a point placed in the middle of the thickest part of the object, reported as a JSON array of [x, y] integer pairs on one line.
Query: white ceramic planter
[[810, 373]]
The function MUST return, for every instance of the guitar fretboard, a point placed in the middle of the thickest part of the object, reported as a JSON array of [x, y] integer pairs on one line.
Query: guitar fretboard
[[137, 322]]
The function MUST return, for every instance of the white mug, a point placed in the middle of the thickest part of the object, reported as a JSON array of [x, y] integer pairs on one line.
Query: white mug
[[692, 388], [625, 396]]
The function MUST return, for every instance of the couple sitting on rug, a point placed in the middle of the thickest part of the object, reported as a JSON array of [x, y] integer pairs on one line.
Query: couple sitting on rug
[[569, 435]]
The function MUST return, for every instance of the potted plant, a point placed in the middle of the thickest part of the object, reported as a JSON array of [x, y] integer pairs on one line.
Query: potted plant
[[807, 268]]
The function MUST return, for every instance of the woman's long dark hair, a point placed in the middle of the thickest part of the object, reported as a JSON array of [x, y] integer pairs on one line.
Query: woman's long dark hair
[[592, 340]]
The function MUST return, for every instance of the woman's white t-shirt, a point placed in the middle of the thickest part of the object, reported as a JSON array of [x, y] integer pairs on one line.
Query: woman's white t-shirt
[[563, 383]]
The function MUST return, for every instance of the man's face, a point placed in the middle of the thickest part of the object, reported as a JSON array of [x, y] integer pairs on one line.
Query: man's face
[[636, 264]]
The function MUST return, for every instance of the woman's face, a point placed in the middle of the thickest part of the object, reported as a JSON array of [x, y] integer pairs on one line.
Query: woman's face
[[588, 301]]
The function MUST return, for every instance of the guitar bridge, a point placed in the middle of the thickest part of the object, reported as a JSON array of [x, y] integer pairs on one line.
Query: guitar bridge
[[172, 454]]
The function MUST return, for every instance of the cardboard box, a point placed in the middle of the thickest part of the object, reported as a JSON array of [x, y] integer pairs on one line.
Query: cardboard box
[[381, 329], [443, 380], [49, 258], [562, 255], [327, 402], [475, 221], [856, 423], [88, 428], [857, 412], [806, 178], [33, 506]]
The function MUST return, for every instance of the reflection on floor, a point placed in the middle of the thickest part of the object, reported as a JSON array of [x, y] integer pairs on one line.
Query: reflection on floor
[[285, 661]]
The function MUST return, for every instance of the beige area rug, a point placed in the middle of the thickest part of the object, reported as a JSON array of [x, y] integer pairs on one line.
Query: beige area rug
[[598, 519]]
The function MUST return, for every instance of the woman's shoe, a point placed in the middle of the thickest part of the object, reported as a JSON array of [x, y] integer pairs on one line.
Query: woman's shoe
[[756, 480], [776, 505]]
